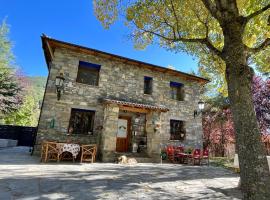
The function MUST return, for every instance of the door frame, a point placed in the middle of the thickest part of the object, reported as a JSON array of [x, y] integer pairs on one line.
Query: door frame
[[128, 132]]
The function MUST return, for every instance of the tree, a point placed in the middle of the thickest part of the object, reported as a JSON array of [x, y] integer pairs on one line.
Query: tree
[[218, 128], [10, 89], [28, 112], [231, 31], [218, 131], [261, 99], [25, 115], [217, 120]]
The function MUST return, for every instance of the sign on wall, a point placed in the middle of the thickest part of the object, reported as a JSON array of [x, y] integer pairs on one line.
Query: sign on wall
[[122, 128]]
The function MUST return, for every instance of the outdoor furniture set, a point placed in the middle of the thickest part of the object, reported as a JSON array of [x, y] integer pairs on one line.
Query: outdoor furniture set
[[67, 151], [177, 154]]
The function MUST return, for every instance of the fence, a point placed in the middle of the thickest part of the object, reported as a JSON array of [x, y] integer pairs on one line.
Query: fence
[[25, 135]]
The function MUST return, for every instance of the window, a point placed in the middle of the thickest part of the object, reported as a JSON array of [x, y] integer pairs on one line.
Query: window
[[88, 73], [177, 130], [81, 121], [177, 91], [148, 85]]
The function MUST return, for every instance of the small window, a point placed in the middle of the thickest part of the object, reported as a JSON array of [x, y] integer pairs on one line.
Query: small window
[[177, 91], [148, 85], [177, 130], [81, 121], [88, 73]]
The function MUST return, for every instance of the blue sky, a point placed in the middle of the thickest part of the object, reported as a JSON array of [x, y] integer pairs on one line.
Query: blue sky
[[74, 21]]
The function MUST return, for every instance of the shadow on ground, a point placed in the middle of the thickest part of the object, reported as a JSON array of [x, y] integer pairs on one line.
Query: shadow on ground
[[32, 180]]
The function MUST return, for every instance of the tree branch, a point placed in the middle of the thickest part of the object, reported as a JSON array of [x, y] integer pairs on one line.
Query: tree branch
[[211, 7], [176, 18], [207, 41], [264, 45], [249, 17], [204, 41], [211, 47]]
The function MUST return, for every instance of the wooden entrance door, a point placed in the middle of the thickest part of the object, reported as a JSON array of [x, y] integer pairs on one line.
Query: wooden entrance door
[[123, 134]]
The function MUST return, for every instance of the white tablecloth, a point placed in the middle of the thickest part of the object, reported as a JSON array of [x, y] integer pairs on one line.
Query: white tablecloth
[[236, 162], [74, 149]]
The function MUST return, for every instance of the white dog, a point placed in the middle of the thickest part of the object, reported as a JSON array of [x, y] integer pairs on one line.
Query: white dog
[[126, 160]]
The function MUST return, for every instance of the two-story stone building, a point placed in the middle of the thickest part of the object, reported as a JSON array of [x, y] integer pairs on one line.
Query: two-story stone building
[[120, 104]]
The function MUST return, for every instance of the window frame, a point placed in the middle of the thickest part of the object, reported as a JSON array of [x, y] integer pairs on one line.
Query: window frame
[[93, 113], [149, 80], [179, 93], [181, 129], [91, 68]]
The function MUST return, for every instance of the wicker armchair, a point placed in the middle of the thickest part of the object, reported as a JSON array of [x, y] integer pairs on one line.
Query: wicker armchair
[[49, 151], [88, 153]]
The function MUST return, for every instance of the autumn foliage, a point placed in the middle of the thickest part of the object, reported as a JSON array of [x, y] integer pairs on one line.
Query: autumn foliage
[[219, 133]]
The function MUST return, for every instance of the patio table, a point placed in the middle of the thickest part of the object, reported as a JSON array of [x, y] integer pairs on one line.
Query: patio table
[[185, 157], [74, 149]]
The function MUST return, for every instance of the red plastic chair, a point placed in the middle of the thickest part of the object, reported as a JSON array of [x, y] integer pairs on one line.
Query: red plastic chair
[[205, 156], [196, 156], [170, 153]]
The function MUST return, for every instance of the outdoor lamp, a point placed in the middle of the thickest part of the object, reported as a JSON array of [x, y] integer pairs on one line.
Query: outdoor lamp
[[59, 84], [201, 107]]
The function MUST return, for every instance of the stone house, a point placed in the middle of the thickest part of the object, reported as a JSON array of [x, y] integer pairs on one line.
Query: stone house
[[120, 104]]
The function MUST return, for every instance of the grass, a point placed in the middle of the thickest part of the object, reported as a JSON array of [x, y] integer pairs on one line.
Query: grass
[[224, 162]]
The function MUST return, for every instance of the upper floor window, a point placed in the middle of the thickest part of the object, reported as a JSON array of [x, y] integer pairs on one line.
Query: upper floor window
[[81, 121], [177, 130], [88, 73], [177, 91], [148, 85]]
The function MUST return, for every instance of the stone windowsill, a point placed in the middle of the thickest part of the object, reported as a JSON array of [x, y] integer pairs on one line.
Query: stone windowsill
[[148, 95], [81, 135], [175, 100], [176, 140], [86, 85]]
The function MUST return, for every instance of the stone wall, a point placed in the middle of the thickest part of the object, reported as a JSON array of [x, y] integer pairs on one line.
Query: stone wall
[[154, 137], [110, 124], [118, 81]]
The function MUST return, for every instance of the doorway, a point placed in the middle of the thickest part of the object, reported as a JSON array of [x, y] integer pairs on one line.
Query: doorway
[[123, 134]]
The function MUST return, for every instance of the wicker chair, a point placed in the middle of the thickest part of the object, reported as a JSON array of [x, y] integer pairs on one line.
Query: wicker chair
[[49, 151], [88, 153], [43, 151]]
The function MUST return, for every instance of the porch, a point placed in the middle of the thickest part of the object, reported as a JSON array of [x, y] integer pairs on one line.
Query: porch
[[131, 128]]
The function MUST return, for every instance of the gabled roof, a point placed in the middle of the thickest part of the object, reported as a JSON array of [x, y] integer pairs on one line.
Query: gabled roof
[[49, 45]]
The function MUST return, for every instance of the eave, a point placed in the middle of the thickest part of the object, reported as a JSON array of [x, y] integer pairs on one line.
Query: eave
[[49, 45]]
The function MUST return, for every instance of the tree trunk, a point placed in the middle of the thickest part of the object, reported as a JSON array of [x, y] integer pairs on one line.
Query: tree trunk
[[254, 171]]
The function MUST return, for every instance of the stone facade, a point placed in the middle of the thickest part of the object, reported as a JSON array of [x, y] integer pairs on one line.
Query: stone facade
[[117, 80]]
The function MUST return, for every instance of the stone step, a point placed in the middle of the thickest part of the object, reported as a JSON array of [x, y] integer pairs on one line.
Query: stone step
[[8, 143]]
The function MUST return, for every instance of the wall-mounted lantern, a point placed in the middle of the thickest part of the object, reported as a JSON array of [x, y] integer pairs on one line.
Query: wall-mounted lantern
[[201, 107], [59, 84]]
